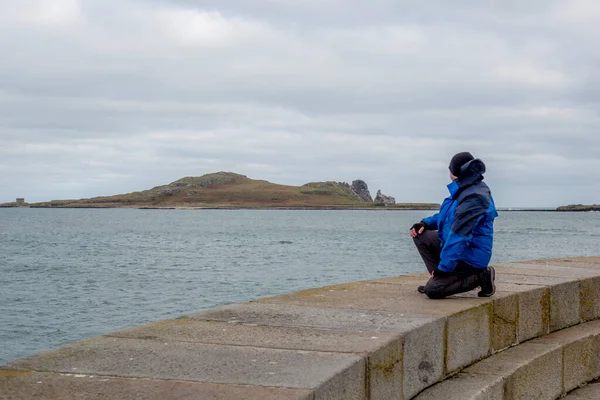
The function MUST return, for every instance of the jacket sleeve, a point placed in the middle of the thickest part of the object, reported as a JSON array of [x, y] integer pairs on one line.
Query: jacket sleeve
[[431, 222], [468, 213]]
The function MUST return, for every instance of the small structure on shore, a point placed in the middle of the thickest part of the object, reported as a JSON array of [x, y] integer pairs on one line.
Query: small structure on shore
[[20, 202]]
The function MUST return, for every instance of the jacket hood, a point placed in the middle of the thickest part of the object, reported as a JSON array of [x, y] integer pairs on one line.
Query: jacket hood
[[471, 173]]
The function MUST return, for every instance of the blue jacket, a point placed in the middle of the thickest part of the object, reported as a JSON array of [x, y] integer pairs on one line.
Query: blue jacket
[[465, 222]]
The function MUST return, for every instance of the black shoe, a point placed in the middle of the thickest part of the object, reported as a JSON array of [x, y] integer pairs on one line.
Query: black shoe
[[487, 278], [421, 289]]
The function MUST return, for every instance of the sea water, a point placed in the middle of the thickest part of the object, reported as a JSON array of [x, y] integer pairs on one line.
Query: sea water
[[72, 274]]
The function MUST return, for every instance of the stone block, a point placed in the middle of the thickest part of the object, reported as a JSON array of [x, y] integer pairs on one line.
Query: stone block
[[505, 321], [466, 386], [367, 340], [578, 362], [589, 392], [468, 337], [521, 312], [423, 357], [537, 280], [575, 262], [549, 271], [540, 379], [534, 313], [581, 353], [589, 298], [385, 371], [382, 349], [420, 360], [564, 305], [19, 385], [376, 297], [131, 358], [348, 384], [284, 315], [531, 370]]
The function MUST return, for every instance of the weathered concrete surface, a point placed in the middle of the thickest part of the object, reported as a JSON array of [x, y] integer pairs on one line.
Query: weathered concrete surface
[[55, 386], [416, 357], [534, 313], [385, 371], [557, 271], [369, 333], [538, 379], [589, 392], [568, 304], [563, 303], [522, 279], [468, 337], [580, 360], [544, 368], [581, 353], [283, 315], [589, 298], [424, 357], [205, 363], [277, 337], [576, 262], [505, 321], [376, 339], [519, 313], [524, 372], [465, 386], [375, 296]]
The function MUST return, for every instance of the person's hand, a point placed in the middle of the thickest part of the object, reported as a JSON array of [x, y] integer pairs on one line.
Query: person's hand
[[417, 229]]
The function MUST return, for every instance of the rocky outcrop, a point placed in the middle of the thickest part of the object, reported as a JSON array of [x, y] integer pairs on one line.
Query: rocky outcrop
[[383, 199], [361, 190]]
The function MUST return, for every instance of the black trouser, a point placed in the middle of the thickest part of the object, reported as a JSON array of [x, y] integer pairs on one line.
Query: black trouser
[[463, 279]]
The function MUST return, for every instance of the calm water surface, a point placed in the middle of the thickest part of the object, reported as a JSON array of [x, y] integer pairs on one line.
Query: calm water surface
[[67, 275]]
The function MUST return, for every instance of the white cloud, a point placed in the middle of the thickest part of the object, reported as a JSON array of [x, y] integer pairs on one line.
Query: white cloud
[[46, 14], [529, 74], [190, 27]]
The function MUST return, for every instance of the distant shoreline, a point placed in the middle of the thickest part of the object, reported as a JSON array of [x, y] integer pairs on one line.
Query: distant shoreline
[[299, 208], [231, 191]]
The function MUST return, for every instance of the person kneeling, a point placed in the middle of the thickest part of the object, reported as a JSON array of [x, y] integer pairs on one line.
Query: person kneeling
[[456, 243]]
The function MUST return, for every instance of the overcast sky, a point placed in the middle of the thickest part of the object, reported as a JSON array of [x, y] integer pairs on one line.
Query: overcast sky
[[100, 97]]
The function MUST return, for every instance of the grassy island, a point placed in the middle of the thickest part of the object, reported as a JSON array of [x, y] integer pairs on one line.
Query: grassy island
[[230, 190]]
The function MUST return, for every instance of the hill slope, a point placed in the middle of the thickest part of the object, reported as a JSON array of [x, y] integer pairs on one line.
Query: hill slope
[[230, 190]]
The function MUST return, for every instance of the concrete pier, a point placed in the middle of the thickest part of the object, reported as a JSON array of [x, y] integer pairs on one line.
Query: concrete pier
[[376, 339]]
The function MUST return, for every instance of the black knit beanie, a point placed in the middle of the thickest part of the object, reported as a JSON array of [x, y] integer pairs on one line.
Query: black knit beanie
[[458, 161]]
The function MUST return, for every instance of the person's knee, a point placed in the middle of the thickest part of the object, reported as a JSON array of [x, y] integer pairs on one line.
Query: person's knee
[[434, 293], [419, 242]]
